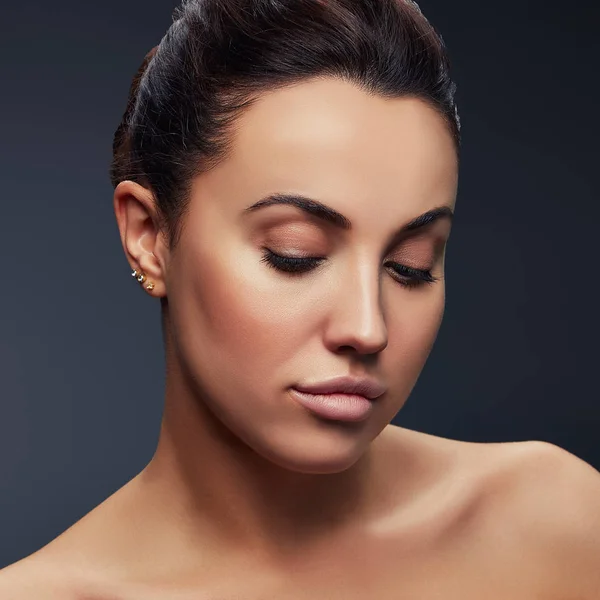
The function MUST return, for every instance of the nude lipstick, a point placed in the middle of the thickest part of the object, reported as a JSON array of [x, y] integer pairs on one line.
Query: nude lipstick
[[341, 399]]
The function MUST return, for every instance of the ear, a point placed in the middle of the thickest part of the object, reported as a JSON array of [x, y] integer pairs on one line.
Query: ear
[[142, 239]]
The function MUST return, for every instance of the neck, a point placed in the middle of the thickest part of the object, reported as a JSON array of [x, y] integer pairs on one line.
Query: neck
[[209, 481]]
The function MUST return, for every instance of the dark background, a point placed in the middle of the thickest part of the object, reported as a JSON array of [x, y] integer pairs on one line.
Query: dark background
[[81, 362]]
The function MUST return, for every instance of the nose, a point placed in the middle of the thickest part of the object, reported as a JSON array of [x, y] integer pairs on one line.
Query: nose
[[357, 320]]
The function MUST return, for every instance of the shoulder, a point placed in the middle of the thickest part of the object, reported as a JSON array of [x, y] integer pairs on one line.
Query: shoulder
[[31, 579], [36, 577], [71, 566], [548, 500]]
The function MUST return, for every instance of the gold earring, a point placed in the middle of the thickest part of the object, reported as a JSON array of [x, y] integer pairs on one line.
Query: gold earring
[[141, 277]]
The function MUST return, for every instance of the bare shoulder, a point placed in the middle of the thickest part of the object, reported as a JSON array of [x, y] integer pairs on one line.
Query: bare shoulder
[[38, 577], [34, 579], [547, 500], [69, 567], [528, 510]]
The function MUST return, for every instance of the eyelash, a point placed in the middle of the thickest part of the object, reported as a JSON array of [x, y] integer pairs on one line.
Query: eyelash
[[287, 264]]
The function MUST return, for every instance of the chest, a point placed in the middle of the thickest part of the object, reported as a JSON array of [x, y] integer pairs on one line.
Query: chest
[[450, 569], [392, 573]]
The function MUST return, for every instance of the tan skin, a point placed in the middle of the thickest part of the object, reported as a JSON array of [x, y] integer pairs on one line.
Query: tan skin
[[249, 495]]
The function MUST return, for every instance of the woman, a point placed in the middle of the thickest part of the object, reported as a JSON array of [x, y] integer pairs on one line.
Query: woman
[[285, 181]]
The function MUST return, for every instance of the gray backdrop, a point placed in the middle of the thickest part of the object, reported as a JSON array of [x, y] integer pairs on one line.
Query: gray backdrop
[[81, 365]]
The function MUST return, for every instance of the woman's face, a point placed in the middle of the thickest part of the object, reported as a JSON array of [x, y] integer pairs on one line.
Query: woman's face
[[247, 332]]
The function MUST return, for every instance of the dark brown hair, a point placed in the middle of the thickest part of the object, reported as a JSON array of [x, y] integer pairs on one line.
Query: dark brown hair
[[219, 55]]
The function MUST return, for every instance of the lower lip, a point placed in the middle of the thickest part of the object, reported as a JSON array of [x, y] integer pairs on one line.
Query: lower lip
[[338, 407]]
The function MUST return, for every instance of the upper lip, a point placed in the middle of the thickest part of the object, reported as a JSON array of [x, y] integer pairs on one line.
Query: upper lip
[[363, 386]]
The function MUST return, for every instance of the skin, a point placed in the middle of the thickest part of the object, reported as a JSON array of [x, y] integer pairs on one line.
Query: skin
[[245, 480]]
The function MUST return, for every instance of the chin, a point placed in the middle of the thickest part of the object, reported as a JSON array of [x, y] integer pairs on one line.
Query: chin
[[329, 448]]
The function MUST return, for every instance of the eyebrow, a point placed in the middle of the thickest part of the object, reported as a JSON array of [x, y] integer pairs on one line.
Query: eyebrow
[[328, 214]]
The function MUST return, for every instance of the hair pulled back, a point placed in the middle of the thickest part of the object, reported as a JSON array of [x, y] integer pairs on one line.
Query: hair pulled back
[[219, 55]]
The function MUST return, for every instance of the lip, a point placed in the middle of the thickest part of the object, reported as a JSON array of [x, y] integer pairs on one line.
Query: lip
[[336, 407], [360, 386]]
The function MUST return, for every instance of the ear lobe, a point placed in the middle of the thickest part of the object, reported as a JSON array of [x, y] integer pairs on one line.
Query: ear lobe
[[141, 237]]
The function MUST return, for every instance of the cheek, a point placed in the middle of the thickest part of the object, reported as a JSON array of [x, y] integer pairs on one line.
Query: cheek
[[412, 335], [427, 318], [423, 328], [236, 311]]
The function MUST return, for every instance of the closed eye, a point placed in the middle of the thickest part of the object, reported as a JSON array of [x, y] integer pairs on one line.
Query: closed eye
[[406, 276]]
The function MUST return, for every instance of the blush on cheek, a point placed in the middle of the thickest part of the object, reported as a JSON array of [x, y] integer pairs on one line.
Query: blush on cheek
[[235, 317], [417, 331], [410, 343], [427, 325]]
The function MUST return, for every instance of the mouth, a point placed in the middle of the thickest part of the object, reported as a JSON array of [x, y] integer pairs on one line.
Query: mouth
[[335, 406]]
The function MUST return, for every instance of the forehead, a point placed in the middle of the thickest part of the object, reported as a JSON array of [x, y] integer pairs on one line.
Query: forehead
[[329, 139]]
